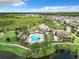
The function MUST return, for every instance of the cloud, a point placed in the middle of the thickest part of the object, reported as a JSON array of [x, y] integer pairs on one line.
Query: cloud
[[57, 9], [11, 2], [18, 4]]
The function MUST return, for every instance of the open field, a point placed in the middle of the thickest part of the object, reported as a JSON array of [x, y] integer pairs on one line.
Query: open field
[[14, 49]]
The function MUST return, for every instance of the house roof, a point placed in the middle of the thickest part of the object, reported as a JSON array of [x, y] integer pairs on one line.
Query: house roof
[[62, 33]]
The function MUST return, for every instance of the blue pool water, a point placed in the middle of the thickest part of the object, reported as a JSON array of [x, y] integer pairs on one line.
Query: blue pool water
[[35, 37]]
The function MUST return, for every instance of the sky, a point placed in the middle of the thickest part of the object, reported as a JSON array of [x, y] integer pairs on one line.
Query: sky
[[39, 5]]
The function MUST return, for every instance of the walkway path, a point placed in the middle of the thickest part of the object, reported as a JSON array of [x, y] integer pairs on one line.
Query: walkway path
[[8, 44], [66, 43]]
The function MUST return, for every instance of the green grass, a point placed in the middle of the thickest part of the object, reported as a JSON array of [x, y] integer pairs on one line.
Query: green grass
[[23, 21], [64, 13], [72, 48], [10, 35], [36, 54], [15, 50]]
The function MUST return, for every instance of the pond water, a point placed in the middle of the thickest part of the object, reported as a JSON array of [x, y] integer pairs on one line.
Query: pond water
[[63, 54]]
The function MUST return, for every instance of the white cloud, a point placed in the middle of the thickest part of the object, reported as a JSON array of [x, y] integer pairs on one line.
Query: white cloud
[[18, 4], [57, 9], [11, 2]]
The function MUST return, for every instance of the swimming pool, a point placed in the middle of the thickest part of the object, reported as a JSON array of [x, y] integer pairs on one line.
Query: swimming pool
[[35, 37]]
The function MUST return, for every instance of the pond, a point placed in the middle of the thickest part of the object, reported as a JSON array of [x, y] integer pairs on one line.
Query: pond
[[63, 54]]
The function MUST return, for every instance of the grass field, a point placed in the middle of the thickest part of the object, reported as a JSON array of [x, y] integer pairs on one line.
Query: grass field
[[10, 35], [12, 21], [40, 53], [15, 50]]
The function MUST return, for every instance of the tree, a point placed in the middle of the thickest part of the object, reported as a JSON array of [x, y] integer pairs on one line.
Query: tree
[[77, 34], [16, 33], [73, 30], [8, 39]]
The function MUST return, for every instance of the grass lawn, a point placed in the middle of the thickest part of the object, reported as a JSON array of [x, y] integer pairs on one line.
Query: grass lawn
[[15, 50], [72, 48], [10, 35]]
